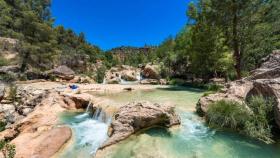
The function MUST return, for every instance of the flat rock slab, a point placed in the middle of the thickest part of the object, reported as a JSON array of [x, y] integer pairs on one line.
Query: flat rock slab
[[45, 145]]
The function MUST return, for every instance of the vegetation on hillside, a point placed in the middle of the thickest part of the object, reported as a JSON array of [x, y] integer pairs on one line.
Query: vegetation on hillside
[[221, 39], [42, 45], [255, 121]]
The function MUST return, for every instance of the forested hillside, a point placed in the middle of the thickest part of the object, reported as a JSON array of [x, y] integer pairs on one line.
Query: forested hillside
[[221, 39], [43, 45], [224, 38]]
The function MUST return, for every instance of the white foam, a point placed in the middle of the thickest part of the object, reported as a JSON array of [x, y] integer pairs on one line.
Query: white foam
[[91, 133]]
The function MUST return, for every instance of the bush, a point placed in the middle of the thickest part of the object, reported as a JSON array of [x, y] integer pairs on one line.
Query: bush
[[177, 82], [2, 126], [7, 77], [100, 73], [8, 150], [13, 93], [214, 87], [227, 114], [254, 122], [259, 124], [3, 62]]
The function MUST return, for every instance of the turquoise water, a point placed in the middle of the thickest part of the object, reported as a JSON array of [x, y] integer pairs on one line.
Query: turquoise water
[[192, 139], [89, 134]]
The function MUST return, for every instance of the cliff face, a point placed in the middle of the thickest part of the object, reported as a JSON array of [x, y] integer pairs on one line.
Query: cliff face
[[123, 52]]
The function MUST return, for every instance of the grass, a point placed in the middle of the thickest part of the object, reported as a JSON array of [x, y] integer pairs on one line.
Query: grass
[[255, 121], [211, 89], [227, 114], [259, 126]]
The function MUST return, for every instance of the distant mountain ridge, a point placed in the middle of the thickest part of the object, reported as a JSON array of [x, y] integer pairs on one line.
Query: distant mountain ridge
[[124, 51]]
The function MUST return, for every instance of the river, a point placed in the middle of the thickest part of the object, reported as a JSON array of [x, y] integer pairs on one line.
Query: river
[[192, 139]]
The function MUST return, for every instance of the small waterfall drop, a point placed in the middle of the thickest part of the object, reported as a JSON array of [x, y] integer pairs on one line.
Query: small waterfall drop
[[90, 132], [88, 107], [100, 115]]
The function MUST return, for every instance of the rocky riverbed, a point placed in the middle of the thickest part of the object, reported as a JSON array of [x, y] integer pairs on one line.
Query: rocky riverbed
[[33, 116]]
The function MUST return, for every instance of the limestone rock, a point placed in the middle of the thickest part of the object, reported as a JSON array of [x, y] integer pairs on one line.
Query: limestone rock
[[264, 81], [77, 101], [63, 72], [125, 72], [45, 145], [129, 75], [270, 67], [139, 115], [149, 81], [151, 71], [235, 91]]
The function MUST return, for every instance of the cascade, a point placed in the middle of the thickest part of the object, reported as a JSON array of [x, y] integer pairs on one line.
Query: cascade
[[88, 107], [100, 115]]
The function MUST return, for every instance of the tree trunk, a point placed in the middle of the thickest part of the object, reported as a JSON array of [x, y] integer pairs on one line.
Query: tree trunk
[[236, 48]]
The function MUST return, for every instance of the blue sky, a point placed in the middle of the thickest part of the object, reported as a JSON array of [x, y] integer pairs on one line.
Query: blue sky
[[112, 23]]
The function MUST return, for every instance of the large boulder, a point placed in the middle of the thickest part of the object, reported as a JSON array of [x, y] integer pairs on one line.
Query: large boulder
[[139, 115], [270, 67], [129, 75], [63, 72], [112, 76], [263, 81], [151, 71], [124, 72]]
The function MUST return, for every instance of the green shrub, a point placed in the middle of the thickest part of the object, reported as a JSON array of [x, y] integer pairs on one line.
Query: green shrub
[[100, 73], [259, 124], [211, 89], [177, 82], [227, 114], [214, 87], [8, 150], [13, 93], [7, 77], [2, 126], [3, 62], [254, 122]]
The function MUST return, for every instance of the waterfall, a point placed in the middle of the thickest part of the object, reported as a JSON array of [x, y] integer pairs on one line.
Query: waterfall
[[139, 77], [100, 115], [88, 107], [104, 81]]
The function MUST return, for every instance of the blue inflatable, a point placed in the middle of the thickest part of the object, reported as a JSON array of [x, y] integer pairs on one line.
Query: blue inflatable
[[73, 87]]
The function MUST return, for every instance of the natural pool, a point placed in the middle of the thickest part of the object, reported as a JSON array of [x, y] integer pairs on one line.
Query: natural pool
[[191, 140]]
